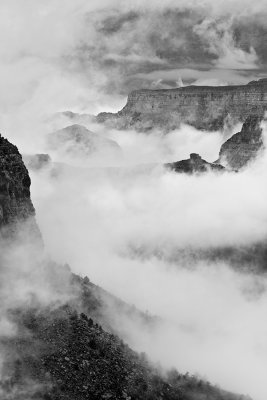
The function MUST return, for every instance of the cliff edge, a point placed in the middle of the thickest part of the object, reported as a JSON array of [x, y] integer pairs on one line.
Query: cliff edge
[[204, 107]]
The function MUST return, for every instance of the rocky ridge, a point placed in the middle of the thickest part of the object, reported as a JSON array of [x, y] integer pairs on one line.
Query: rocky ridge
[[63, 355], [78, 141], [244, 146], [195, 164], [204, 107]]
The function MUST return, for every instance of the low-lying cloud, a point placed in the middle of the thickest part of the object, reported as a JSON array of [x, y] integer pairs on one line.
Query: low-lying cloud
[[121, 226]]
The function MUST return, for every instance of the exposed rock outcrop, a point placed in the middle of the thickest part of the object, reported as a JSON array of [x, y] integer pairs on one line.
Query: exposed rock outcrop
[[244, 146], [78, 141], [195, 164], [206, 108], [15, 202]]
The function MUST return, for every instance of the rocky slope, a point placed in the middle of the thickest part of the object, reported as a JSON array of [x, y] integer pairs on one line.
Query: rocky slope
[[206, 108], [15, 202], [63, 355], [195, 164], [244, 146], [59, 353]]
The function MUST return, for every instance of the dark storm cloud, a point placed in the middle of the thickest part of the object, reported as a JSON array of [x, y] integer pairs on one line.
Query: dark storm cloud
[[82, 52], [113, 24], [252, 33], [128, 46], [176, 42]]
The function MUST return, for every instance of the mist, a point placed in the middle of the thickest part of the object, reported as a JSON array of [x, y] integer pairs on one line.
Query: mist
[[123, 227], [122, 221]]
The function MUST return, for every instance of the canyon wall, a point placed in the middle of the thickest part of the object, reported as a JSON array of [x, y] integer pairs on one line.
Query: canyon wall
[[206, 108]]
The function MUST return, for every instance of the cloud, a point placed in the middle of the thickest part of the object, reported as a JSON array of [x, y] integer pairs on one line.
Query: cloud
[[198, 77], [115, 224], [196, 35], [220, 40], [87, 56]]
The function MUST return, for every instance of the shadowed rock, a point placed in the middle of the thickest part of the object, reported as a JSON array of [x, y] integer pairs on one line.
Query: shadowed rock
[[244, 146], [195, 164]]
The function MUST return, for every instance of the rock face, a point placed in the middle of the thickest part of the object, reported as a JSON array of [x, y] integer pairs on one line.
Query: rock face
[[244, 146], [206, 108], [195, 164], [15, 201], [78, 141]]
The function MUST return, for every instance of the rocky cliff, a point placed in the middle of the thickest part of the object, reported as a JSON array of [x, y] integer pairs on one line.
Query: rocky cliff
[[244, 146], [206, 108], [15, 202]]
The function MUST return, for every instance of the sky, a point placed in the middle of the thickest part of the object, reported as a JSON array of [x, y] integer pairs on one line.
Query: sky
[[86, 56]]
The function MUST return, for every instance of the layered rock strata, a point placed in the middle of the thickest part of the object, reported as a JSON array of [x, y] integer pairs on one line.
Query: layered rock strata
[[204, 107]]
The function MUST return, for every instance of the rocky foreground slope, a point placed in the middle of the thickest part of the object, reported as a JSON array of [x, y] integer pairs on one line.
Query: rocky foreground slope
[[207, 108], [54, 348], [63, 355]]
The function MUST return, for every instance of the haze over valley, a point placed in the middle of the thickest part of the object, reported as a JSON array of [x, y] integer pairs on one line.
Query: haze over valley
[[133, 191]]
